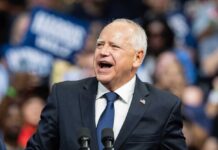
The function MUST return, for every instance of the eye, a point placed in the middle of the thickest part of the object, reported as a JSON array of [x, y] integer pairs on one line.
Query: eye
[[99, 45], [115, 46]]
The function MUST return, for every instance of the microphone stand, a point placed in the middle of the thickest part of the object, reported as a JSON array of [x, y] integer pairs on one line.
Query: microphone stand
[[108, 139], [84, 139]]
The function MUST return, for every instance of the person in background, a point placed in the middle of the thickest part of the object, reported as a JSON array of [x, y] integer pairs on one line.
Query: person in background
[[193, 109], [161, 38], [169, 74], [31, 110], [2, 145], [10, 122]]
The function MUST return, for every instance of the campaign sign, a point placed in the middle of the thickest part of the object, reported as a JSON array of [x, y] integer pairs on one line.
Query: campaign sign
[[54, 33], [28, 59]]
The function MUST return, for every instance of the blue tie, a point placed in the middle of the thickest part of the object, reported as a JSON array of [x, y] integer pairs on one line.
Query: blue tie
[[107, 118]]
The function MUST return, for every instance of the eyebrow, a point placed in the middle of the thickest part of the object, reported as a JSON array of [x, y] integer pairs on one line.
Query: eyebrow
[[99, 40]]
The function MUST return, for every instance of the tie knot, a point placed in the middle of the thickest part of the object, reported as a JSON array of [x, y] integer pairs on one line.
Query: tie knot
[[111, 96]]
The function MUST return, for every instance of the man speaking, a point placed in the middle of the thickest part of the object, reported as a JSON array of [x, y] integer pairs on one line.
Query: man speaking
[[141, 116]]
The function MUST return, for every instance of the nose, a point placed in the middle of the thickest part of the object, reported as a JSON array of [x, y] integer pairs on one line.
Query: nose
[[105, 51]]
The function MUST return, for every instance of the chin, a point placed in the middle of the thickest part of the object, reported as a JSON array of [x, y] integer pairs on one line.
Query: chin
[[104, 79]]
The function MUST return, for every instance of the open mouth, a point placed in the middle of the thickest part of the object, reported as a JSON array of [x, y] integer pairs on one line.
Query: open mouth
[[105, 65]]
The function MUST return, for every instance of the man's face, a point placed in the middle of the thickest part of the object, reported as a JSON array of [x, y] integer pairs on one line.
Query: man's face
[[115, 60]]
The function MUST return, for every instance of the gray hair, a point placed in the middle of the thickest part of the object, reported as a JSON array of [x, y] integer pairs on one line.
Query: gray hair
[[139, 37]]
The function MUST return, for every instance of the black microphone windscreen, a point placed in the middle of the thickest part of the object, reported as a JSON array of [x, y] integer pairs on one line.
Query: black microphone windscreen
[[107, 134], [84, 132]]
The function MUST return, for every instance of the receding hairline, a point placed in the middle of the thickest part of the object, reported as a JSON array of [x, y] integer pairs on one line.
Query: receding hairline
[[137, 30], [124, 21]]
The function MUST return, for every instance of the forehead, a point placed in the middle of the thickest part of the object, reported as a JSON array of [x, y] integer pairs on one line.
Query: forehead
[[117, 32]]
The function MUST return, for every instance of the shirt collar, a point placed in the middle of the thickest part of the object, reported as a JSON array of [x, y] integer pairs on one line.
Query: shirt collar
[[124, 91]]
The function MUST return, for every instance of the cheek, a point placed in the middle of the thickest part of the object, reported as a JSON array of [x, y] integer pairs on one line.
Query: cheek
[[123, 63], [96, 54]]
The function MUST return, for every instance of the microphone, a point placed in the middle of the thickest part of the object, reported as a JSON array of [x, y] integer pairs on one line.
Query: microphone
[[107, 135], [84, 139]]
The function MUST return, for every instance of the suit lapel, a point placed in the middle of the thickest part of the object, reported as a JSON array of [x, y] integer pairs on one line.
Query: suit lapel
[[135, 113], [87, 106]]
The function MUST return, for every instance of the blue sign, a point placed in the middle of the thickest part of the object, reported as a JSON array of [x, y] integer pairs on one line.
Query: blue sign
[[55, 33], [28, 59]]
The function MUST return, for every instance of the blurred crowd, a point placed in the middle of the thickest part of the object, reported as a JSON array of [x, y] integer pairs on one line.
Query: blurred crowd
[[182, 58]]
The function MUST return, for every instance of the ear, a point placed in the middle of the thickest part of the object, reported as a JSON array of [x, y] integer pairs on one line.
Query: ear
[[138, 59]]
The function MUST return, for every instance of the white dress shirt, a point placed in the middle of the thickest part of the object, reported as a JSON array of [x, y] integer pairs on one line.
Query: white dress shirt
[[121, 105]]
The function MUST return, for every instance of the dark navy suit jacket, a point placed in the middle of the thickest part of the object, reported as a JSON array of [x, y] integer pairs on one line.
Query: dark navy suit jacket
[[153, 125]]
